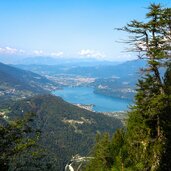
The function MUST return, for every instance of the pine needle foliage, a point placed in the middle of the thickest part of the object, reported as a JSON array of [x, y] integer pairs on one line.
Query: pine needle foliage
[[145, 142]]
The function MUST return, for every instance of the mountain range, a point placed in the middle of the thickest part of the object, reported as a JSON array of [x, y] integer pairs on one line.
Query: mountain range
[[117, 80], [48, 60], [97, 70]]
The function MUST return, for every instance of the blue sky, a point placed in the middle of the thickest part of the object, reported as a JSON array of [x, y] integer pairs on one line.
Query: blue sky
[[68, 28]]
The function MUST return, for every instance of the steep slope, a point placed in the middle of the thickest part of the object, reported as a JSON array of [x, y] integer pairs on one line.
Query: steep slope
[[66, 130], [19, 83]]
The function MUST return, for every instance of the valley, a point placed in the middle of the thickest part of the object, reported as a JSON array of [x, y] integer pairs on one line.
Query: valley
[[70, 124], [85, 85], [114, 80], [70, 104]]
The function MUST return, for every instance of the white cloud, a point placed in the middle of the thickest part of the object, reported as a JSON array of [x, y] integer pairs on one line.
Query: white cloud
[[8, 50], [14, 51], [11, 51], [56, 54], [42, 53], [91, 53], [38, 52], [22, 51]]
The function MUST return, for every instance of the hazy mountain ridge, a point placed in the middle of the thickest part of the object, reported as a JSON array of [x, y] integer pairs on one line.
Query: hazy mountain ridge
[[102, 70], [111, 80], [49, 60]]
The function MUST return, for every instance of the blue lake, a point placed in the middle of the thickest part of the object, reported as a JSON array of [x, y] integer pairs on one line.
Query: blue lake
[[85, 95]]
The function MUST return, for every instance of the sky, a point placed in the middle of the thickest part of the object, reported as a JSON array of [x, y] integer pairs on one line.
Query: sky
[[68, 28]]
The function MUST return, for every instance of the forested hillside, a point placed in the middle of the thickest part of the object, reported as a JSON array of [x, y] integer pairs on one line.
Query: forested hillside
[[16, 83], [65, 129]]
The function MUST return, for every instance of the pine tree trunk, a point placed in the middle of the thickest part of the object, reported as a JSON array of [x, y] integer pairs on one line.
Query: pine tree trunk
[[122, 167], [158, 126], [158, 79]]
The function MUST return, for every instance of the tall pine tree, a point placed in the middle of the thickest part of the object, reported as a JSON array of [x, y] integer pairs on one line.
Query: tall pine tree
[[145, 143]]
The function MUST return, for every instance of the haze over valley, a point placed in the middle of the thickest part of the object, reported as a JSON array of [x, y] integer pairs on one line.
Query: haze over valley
[[61, 124], [85, 85], [30, 88]]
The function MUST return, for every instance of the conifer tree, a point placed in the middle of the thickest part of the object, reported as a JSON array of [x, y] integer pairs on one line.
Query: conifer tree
[[18, 146], [146, 132], [101, 153], [152, 39], [145, 144]]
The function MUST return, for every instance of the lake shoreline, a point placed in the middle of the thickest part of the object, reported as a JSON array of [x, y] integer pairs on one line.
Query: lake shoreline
[[86, 98]]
